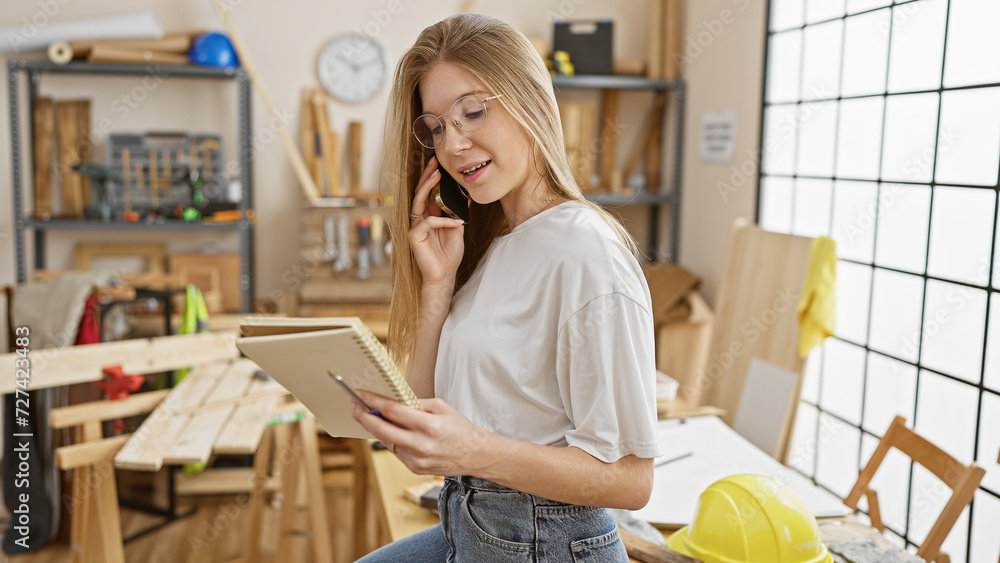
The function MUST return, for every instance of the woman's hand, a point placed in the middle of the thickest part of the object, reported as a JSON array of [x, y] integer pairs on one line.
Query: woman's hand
[[437, 242], [439, 441]]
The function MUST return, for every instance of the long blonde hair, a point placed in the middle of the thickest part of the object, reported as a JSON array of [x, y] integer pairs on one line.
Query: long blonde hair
[[505, 61]]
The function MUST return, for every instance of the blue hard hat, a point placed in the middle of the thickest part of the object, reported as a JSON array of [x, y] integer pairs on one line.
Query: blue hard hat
[[213, 49]]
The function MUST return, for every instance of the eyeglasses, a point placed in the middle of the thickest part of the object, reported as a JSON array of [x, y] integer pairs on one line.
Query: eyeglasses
[[468, 113]]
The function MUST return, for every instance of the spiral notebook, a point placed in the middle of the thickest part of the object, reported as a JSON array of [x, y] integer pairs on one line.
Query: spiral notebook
[[299, 353]]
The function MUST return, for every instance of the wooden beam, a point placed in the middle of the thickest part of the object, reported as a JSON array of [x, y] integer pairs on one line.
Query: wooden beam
[[141, 403], [89, 453], [54, 367], [222, 481]]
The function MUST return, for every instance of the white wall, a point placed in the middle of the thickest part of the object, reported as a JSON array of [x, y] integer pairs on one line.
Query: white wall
[[284, 39], [724, 54]]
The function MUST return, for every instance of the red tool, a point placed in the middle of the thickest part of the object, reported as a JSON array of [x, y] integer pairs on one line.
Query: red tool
[[117, 387]]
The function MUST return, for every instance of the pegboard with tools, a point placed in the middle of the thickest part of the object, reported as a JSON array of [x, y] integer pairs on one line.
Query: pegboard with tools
[[164, 173], [343, 257]]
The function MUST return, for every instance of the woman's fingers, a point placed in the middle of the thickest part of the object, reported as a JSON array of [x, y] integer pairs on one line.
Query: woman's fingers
[[419, 231], [430, 177]]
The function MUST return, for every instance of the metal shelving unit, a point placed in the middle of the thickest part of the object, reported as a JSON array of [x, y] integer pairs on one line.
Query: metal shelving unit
[[34, 69], [672, 195]]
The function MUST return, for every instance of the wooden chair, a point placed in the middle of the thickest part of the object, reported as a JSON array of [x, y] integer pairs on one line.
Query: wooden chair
[[962, 479]]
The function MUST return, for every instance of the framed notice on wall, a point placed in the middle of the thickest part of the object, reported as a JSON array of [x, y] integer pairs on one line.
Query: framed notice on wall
[[718, 135]]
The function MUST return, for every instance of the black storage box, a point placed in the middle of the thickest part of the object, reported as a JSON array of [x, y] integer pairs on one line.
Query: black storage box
[[588, 44]]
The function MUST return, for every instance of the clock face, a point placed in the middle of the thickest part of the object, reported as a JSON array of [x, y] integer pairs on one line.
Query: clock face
[[353, 67]]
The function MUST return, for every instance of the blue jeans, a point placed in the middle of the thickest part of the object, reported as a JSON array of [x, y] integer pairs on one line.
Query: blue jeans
[[482, 521]]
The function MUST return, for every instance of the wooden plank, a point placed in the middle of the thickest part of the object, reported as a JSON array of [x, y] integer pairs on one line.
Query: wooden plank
[[84, 146], [222, 481], [72, 185], [354, 157], [194, 444], [89, 453], [307, 137], [233, 384], [245, 428], [195, 388], [318, 524], [762, 280], [654, 39], [673, 38], [154, 253], [331, 160], [54, 367], [335, 167], [228, 266], [649, 552], [43, 148], [609, 135], [258, 495], [64, 417], [158, 433], [108, 516]]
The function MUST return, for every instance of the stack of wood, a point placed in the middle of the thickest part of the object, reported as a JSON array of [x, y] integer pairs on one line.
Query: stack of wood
[[61, 141], [171, 50], [664, 29], [321, 148]]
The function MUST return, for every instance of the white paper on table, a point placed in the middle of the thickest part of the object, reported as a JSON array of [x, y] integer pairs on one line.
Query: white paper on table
[[32, 36], [717, 452]]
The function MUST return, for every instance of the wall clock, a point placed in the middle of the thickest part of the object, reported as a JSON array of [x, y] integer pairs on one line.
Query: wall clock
[[353, 67]]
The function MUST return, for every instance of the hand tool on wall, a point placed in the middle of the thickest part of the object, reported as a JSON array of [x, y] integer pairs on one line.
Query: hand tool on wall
[[364, 249], [378, 224], [295, 157], [329, 246], [343, 261]]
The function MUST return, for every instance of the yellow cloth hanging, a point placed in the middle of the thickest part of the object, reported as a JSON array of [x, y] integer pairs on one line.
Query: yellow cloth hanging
[[194, 319], [817, 306]]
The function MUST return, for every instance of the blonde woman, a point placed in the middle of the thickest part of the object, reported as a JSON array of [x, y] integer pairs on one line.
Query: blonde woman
[[528, 330]]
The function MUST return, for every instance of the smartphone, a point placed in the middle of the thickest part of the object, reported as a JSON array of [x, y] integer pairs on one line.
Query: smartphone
[[449, 197], [355, 396]]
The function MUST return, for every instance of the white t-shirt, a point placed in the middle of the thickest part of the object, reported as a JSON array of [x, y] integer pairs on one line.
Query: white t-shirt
[[551, 339]]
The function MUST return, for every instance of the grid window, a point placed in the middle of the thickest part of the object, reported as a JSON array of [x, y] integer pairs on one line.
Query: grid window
[[854, 284], [854, 207], [890, 391], [901, 239], [969, 137], [821, 60], [882, 131], [776, 204], [837, 455], [917, 46], [952, 336], [961, 234], [811, 213], [817, 139], [843, 380], [866, 53], [859, 138], [785, 57], [973, 55], [802, 454]]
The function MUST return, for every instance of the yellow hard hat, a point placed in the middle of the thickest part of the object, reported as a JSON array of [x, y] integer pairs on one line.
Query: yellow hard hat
[[751, 519]]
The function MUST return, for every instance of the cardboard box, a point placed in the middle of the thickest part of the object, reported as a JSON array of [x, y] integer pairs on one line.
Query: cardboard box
[[682, 348]]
